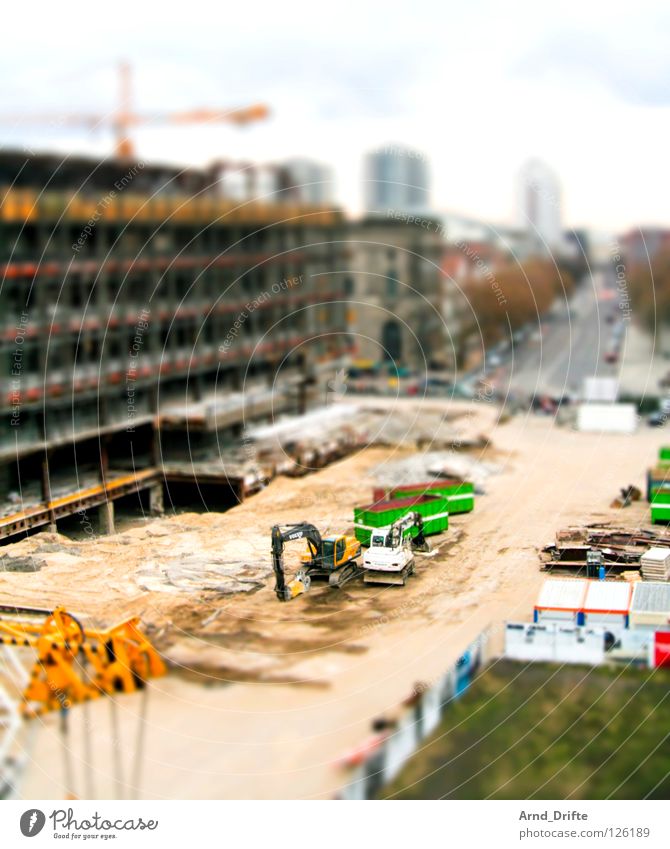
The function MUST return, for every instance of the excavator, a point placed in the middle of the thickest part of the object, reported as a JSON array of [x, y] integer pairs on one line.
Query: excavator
[[331, 558], [390, 558]]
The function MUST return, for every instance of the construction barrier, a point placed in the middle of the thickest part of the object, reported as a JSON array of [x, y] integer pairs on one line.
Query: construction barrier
[[380, 759]]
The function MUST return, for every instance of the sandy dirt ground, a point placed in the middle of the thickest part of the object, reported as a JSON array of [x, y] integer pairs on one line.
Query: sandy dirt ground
[[264, 697]]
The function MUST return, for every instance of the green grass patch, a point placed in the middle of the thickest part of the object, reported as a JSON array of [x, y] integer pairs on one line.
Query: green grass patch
[[548, 732]]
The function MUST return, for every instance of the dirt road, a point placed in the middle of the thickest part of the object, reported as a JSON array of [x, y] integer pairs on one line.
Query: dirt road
[[350, 655]]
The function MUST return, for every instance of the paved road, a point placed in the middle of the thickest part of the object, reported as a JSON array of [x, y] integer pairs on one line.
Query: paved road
[[572, 346]]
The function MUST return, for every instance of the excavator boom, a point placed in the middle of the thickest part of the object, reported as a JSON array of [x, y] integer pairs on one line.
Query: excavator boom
[[281, 535]]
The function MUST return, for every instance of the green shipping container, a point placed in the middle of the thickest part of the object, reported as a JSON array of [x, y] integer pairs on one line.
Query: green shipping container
[[660, 506], [460, 495], [664, 454], [380, 514]]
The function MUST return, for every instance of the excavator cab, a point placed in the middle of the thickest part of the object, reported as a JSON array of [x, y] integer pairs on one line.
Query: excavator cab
[[335, 552]]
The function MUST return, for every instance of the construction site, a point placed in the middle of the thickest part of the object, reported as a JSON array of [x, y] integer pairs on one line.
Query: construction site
[[336, 662], [271, 501]]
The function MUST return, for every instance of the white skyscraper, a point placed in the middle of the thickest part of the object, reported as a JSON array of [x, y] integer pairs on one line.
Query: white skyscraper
[[539, 202], [396, 178]]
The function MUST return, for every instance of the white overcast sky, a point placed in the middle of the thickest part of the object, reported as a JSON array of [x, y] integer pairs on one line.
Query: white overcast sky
[[479, 87]]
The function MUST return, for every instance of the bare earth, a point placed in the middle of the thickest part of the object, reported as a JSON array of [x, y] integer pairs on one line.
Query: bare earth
[[266, 697]]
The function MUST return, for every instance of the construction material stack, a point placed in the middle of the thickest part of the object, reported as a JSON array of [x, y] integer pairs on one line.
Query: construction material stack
[[655, 564]]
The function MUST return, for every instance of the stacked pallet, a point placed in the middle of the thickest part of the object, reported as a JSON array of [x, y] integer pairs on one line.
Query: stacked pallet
[[655, 564]]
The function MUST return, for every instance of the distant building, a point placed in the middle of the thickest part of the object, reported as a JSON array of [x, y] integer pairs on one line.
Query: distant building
[[306, 181], [296, 181], [396, 178], [539, 200], [395, 293], [642, 244]]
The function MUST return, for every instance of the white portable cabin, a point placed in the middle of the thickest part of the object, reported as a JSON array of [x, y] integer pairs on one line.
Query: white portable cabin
[[560, 600], [607, 603], [607, 418], [554, 641], [650, 606]]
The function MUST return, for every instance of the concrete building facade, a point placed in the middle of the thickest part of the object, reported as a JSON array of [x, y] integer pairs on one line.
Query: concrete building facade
[[129, 287], [395, 292]]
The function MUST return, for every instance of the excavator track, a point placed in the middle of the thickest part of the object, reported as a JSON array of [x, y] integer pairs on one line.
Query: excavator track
[[344, 574]]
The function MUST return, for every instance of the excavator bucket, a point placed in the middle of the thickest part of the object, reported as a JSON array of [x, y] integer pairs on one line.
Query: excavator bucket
[[299, 585]]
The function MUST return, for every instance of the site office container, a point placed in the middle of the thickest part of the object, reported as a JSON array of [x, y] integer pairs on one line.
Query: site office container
[[460, 495], [607, 603], [381, 514], [561, 600], [560, 642], [650, 606], [660, 505]]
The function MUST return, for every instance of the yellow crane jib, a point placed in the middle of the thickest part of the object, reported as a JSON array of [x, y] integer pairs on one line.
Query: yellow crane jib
[[74, 664]]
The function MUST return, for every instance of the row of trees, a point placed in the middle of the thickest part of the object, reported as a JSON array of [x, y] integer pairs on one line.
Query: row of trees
[[649, 294], [512, 296]]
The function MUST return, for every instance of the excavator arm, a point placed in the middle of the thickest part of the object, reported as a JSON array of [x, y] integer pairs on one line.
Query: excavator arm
[[280, 536], [397, 531], [419, 542]]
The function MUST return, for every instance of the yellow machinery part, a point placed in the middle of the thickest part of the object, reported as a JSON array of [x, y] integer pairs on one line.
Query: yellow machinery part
[[73, 665]]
